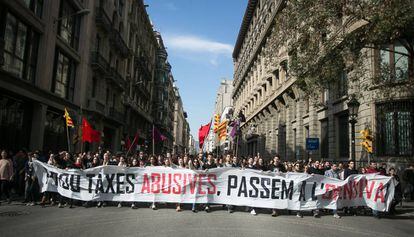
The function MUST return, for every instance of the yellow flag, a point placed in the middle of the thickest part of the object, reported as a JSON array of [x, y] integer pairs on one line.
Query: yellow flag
[[69, 121]]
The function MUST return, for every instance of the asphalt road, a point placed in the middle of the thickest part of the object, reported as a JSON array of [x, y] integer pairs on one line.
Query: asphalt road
[[19, 220]]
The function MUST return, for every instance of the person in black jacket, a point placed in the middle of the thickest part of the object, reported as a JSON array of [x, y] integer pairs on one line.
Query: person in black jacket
[[350, 170], [398, 191], [209, 164]]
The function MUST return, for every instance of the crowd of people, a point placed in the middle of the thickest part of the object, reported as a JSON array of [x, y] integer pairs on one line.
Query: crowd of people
[[17, 174]]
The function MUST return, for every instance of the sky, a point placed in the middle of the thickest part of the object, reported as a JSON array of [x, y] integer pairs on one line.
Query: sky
[[200, 37]]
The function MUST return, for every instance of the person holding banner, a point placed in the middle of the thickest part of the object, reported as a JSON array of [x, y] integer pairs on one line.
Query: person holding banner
[[228, 163], [206, 166], [181, 165], [277, 168], [153, 163], [333, 173], [122, 163], [250, 165]]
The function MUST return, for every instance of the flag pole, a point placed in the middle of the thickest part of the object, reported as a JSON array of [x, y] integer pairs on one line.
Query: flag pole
[[67, 136], [153, 140], [129, 149], [204, 143]]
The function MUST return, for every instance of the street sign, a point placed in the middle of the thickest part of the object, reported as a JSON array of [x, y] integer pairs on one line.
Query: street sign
[[312, 143]]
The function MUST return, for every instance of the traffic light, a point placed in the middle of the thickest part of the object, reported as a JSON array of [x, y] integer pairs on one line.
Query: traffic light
[[367, 140], [216, 122]]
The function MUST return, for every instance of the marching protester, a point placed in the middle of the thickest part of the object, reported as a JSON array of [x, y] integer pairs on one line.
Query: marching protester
[[6, 175], [206, 166], [228, 163], [408, 178], [181, 165], [397, 190], [65, 160], [333, 172]]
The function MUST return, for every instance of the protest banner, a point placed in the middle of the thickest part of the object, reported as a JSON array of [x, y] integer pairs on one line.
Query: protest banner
[[232, 186]]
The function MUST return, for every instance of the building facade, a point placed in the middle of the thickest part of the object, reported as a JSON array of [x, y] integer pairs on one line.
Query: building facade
[[181, 127], [163, 98], [223, 104], [279, 116], [95, 57]]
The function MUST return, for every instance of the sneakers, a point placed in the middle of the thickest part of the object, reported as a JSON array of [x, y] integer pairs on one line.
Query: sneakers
[[207, 209], [119, 205], [253, 212], [153, 207], [60, 205], [99, 205], [194, 210], [274, 213], [133, 206], [178, 209], [299, 215], [337, 216], [316, 215]]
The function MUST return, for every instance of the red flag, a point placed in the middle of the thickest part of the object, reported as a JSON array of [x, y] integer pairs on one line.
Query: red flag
[[202, 133], [96, 136], [158, 137], [88, 133], [127, 143]]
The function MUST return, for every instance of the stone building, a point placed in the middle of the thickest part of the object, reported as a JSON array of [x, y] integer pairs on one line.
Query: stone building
[[95, 57], [163, 98], [181, 127], [279, 117], [222, 105]]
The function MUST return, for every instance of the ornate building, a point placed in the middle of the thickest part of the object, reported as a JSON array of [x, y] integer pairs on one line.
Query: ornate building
[[95, 57], [279, 116], [163, 98]]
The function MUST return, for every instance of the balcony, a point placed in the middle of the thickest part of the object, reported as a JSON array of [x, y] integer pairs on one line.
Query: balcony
[[118, 42], [116, 78], [98, 62], [96, 106], [102, 19], [116, 115], [142, 63]]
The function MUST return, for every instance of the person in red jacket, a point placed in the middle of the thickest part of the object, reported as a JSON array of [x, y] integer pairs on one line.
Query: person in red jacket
[[372, 168]]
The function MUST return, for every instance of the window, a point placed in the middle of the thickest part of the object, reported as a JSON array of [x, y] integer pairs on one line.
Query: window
[[395, 62], [395, 128], [343, 136], [68, 24], [324, 139], [343, 84], [20, 49], [36, 6], [64, 76], [325, 96], [94, 87]]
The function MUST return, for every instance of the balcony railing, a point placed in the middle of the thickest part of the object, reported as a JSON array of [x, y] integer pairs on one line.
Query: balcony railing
[[96, 106], [98, 62], [119, 43], [116, 78], [102, 19]]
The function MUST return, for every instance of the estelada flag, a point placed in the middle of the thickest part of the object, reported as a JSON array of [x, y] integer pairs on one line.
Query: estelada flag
[[69, 121], [88, 133], [202, 134]]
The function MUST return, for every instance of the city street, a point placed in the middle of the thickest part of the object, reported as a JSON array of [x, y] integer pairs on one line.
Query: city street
[[19, 220]]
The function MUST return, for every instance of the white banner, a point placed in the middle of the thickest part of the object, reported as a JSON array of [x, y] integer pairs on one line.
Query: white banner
[[232, 186]]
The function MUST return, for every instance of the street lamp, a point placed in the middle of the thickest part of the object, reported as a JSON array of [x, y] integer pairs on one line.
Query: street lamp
[[353, 106]]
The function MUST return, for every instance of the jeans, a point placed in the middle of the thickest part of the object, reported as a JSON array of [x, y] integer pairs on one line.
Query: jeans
[[5, 188]]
